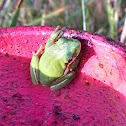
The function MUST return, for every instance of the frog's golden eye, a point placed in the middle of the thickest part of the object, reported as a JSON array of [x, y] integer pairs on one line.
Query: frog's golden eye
[[70, 60]]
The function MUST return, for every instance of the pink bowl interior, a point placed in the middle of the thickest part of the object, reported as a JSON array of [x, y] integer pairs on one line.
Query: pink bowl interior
[[97, 96]]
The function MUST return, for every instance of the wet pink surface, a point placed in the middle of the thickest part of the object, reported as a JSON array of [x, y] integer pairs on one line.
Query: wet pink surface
[[96, 97]]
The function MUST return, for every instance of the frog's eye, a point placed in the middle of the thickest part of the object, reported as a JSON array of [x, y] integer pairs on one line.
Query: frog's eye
[[70, 60]]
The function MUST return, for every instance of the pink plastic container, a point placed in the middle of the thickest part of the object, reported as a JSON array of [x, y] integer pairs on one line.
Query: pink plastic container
[[96, 97]]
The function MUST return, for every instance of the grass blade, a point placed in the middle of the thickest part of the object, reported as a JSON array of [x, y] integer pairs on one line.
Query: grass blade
[[110, 12], [47, 16], [123, 35], [15, 17]]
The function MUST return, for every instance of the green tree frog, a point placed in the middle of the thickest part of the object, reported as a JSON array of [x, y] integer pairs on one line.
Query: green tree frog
[[55, 65]]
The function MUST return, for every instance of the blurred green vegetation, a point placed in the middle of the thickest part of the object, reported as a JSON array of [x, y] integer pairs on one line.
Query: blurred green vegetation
[[102, 17]]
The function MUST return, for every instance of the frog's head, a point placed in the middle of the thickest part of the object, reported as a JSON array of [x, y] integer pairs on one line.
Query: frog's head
[[72, 44]]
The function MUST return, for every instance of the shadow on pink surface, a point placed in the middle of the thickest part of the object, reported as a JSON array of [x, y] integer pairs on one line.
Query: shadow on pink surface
[[85, 101]]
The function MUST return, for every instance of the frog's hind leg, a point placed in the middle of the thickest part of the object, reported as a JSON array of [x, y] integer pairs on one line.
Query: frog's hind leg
[[62, 82]]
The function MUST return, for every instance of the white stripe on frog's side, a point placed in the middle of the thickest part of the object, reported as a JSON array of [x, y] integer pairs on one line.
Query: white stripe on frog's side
[[35, 75]]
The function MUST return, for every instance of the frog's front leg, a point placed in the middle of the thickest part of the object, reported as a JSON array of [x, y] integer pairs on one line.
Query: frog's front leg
[[34, 69], [62, 82], [34, 65], [74, 64]]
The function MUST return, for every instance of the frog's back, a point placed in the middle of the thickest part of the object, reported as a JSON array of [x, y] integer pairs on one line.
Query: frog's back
[[53, 61]]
